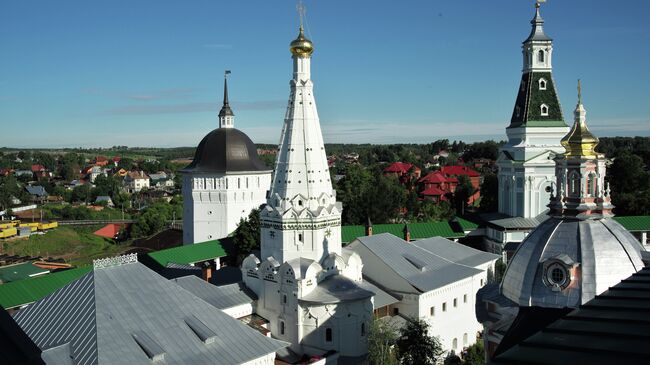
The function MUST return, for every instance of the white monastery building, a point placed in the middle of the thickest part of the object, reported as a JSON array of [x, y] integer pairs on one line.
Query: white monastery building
[[224, 182]]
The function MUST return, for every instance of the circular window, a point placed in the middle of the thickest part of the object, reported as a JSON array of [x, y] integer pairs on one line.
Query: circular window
[[557, 275]]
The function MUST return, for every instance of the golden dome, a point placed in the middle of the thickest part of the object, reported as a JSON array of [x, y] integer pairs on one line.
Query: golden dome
[[301, 46], [580, 141]]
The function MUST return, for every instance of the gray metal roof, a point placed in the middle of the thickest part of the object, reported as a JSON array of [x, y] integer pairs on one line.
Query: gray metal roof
[[602, 249], [336, 289], [612, 328], [128, 314], [424, 270], [381, 298], [222, 297], [503, 221], [455, 252], [537, 33], [36, 190]]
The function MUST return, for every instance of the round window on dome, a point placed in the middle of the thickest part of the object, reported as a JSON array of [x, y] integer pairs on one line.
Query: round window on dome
[[557, 275]]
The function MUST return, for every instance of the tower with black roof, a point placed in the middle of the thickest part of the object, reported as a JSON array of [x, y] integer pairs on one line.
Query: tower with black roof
[[526, 167], [224, 182]]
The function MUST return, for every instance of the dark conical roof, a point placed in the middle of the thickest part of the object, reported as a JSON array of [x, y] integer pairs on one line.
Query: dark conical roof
[[226, 150], [225, 109]]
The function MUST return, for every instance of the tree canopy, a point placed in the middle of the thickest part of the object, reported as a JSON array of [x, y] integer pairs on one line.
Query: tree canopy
[[415, 346]]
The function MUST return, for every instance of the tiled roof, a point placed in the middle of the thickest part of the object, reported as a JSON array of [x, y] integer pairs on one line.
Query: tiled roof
[[399, 167], [27, 291], [459, 170], [635, 223], [433, 191], [418, 230], [434, 177], [189, 254], [37, 168]]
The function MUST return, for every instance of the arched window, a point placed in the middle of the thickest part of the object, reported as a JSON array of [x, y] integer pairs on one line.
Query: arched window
[[574, 183], [454, 344], [464, 339], [543, 110], [591, 185], [542, 84], [540, 56]]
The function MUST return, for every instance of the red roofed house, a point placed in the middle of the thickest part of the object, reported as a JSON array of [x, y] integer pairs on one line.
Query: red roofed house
[[111, 230], [101, 161], [40, 172], [116, 160], [474, 177], [401, 171], [435, 186]]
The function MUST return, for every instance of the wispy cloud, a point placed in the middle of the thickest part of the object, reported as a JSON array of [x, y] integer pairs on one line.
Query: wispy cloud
[[177, 93], [192, 107], [217, 46]]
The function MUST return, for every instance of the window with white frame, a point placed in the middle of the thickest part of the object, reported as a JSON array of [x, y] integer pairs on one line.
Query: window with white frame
[[543, 110], [542, 83]]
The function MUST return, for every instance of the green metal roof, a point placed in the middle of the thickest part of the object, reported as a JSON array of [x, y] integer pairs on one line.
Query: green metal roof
[[466, 225], [20, 271], [418, 230], [18, 293], [635, 223], [189, 254]]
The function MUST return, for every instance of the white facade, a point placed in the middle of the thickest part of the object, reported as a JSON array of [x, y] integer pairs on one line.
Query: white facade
[[136, 181], [215, 203]]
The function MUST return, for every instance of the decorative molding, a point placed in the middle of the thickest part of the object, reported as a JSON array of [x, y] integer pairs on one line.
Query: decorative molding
[[115, 261]]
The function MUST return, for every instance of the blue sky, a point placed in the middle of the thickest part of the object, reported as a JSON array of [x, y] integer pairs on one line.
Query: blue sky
[[150, 72]]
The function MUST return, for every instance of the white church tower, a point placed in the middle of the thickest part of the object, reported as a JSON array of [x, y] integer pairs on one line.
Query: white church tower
[[526, 166], [311, 293], [224, 182], [302, 217]]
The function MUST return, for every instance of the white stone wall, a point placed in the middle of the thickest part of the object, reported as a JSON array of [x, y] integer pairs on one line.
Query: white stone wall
[[268, 359], [214, 203]]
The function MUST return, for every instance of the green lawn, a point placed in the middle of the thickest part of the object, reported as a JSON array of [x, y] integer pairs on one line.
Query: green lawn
[[104, 214], [77, 245]]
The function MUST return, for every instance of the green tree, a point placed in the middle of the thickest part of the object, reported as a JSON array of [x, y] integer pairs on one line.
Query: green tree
[[247, 234], [489, 193], [475, 354], [81, 193], [463, 191], [381, 340], [415, 346]]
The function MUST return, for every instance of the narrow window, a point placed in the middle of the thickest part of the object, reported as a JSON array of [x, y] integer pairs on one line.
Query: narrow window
[[454, 344], [544, 110], [542, 84], [363, 329], [328, 335], [464, 339], [300, 202], [464, 298], [282, 327], [238, 183], [284, 299], [300, 237], [444, 306], [455, 302], [540, 56], [432, 311], [395, 311], [481, 282]]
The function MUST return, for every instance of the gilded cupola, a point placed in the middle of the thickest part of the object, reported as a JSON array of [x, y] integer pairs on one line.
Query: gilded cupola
[[301, 46], [580, 141]]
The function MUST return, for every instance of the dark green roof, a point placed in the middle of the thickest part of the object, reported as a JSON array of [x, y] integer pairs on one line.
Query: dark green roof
[[418, 230], [20, 271], [466, 225], [527, 112], [635, 223], [189, 254], [27, 291]]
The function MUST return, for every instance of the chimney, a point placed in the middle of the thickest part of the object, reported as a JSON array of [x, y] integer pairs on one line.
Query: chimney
[[368, 227], [207, 272], [407, 233]]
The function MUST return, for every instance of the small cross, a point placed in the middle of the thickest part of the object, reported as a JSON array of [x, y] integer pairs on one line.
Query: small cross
[[301, 11]]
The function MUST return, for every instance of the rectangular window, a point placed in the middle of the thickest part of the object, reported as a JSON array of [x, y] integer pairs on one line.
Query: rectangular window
[[300, 237], [284, 299], [444, 306], [455, 302], [328, 335], [465, 298], [395, 311], [432, 311], [282, 327]]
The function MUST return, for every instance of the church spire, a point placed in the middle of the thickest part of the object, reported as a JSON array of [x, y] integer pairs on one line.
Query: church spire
[[580, 141], [226, 116], [302, 218]]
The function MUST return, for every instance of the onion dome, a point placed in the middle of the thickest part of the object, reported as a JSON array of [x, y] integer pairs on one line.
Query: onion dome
[[566, 262], [301, 46], [226, 150], [580, 141]]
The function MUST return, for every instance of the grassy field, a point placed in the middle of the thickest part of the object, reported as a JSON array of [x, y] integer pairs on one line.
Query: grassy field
[[77, 245]]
